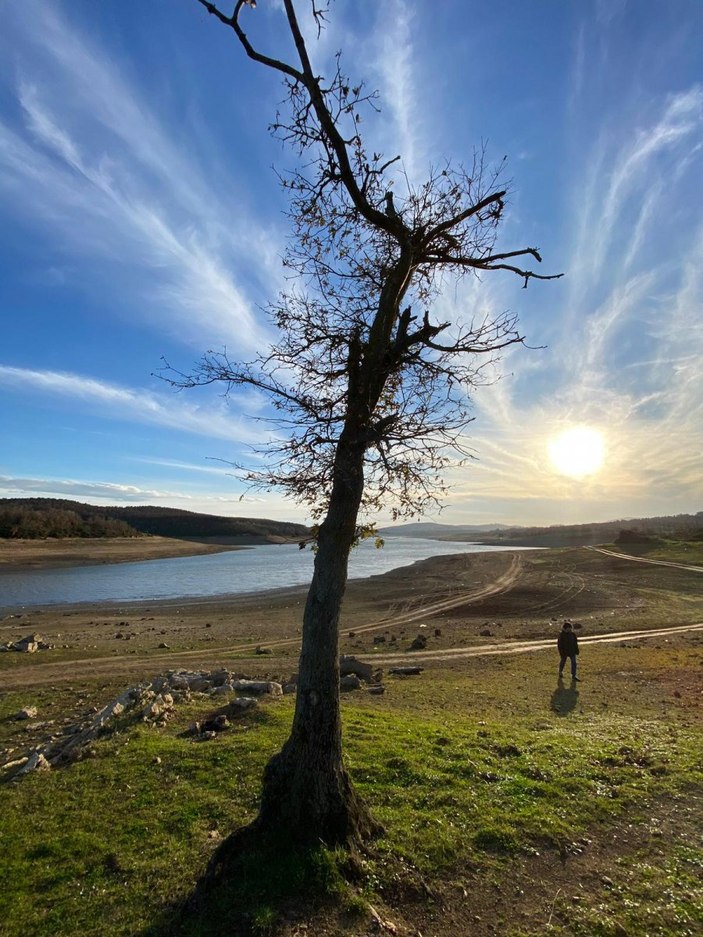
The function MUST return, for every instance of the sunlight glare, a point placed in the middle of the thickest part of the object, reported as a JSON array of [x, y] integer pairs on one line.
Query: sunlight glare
[[577, 452]]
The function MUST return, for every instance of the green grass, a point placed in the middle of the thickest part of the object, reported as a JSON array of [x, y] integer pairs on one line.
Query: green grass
[[466, 769]]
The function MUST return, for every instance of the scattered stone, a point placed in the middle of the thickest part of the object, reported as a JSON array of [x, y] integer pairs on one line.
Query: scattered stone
[[29, 712], [420, 643], [36, 762], [29, 644]]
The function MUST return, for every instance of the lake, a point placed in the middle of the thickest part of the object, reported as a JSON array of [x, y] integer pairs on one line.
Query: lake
[[256, 569]]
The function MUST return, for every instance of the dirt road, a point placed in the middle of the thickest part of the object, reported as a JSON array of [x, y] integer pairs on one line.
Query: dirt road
[[643, 559]]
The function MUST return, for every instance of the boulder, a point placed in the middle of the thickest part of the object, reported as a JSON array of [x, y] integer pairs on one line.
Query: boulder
[[406, 671], [225, 690], [349, 682], [200, 684], [420, 643], [351, 665], [258, 687], [377, 690]]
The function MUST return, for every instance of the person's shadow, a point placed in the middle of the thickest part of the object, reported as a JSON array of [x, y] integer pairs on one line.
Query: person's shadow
[[564, 699]]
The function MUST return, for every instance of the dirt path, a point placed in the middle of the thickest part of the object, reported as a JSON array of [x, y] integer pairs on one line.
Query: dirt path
[[526, 647], [642, 559]]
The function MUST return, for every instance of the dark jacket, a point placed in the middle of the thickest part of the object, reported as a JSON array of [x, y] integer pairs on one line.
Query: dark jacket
[[567, 643]]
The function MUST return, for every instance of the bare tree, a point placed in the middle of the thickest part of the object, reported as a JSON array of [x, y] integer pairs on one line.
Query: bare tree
[[371, 388]]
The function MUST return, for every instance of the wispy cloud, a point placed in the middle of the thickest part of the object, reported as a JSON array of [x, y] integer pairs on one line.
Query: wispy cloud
[[111, 183], [15, 487], [625, 356], [395, 64], [139, 405]]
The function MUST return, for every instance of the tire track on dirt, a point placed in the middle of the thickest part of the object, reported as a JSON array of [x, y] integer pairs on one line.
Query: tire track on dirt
[[642, 559], [525, 647]]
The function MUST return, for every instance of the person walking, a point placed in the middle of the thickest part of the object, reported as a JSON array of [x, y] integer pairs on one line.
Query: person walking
[[568, 645]]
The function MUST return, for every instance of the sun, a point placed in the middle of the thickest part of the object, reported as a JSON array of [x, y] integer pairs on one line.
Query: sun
[[577, 452]]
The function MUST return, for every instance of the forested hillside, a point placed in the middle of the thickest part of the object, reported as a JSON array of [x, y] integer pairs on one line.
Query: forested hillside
[[675, 527], [34, 518]]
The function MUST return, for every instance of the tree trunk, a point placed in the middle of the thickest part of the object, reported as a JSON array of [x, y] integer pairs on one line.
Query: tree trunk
[[307, 791]]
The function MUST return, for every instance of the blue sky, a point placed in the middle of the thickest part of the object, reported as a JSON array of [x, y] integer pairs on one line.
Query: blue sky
[[141, 218]]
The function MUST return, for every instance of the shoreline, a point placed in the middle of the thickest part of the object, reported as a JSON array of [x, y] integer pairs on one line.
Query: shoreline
[[27, 555]]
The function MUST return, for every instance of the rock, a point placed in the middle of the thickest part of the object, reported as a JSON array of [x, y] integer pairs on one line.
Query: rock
[[486, 633], [179, 681], [289, 688], [263, 650], [420, 643], [349, 682], [159, 706], [29, 712], [220, 677], [241, 704], [259, 687], [199, 684], [35, 762], [28, 645], [406, 671], [216, 724], [438, 632], [351, 665], [164, 646], [377, 690], [225, 690], [379, 639]]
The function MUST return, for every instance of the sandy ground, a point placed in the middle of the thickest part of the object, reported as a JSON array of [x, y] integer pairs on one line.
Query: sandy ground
[[461, 604], [43, 554]]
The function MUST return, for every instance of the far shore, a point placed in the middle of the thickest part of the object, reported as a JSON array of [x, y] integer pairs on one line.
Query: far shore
[[45, 554]]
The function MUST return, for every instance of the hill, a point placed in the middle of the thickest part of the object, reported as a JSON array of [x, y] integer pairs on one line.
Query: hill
[[675, 527], [432, 531], [35, 518]]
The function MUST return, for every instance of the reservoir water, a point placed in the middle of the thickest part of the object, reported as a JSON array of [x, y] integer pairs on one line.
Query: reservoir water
[[235, 572]]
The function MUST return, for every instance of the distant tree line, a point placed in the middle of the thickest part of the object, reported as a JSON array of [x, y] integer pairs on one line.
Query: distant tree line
[[34, 518], [25, 523]]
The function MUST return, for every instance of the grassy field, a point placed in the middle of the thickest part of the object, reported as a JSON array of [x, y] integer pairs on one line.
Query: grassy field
[[508, 803], [512, 805]]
